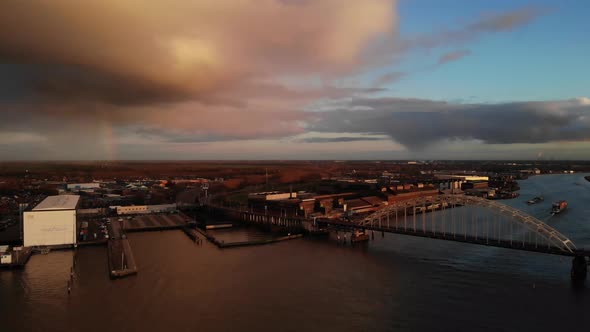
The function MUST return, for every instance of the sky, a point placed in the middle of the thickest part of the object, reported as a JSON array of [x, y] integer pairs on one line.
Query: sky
[[294, 79]]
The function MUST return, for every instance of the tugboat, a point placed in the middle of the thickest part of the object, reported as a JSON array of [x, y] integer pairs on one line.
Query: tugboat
[[359, 236], [558, 207], [535, 200]]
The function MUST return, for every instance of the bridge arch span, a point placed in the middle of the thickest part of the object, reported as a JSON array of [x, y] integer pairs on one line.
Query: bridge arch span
[[549, 235]]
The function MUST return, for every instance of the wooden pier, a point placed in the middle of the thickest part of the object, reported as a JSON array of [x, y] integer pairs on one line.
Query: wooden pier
[[121, 260], [120, 256]]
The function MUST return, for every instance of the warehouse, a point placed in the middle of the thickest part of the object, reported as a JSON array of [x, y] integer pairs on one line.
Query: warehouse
[[145, 209], [52, 222]]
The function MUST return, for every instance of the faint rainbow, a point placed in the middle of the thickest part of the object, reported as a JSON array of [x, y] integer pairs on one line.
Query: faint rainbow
[[109, 139]]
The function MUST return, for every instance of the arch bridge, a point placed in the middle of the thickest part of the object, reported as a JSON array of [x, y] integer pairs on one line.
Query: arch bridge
[[481, 221], [470, 219], [459, 218]]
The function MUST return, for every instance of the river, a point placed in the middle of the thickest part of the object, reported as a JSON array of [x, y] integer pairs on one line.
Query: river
[[393, 283]]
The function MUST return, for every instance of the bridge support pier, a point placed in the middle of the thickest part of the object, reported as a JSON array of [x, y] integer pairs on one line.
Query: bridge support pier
[[579, 268]]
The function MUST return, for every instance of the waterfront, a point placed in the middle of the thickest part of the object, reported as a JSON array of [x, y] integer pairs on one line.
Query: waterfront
[[394, 283]]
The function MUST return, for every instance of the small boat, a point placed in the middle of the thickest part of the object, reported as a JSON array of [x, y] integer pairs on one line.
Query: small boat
[[558, 207], [359, 236], [535, 200]]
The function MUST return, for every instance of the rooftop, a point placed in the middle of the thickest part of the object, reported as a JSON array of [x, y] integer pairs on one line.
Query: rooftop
[[358, 204], [61, 202], [374, 200]]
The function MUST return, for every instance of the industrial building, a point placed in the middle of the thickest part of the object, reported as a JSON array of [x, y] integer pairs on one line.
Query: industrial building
[[52, 222], [144, 209], [82, 186], [474, 185], [461, 177], [407, 195], [452, 181], [272, 196], [363, 205]]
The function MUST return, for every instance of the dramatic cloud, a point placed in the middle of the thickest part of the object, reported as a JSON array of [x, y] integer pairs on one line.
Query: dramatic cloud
[[98, 74], [453, 56], [418, 123], [128, 52], [200, 70]]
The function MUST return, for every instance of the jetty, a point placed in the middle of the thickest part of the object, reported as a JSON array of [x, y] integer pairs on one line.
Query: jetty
[[120, 257], [256, 242]]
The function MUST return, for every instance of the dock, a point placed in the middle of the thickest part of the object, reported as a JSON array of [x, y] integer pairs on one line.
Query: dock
[[148, 223], [192, 233], [120, 257], [207, 236], [20, 257], [222, 244], [121, 260], [258, 242]]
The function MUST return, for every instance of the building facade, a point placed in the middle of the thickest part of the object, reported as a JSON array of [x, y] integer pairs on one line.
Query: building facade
[[52, 222]]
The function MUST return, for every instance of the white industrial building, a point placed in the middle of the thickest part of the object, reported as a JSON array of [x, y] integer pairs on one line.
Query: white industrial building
[[144, 209], [51, 222]]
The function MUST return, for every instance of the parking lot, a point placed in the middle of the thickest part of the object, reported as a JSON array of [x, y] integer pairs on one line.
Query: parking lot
[[93, 229]]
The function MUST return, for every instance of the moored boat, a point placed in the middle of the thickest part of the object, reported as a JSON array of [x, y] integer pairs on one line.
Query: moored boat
[[535, 200]]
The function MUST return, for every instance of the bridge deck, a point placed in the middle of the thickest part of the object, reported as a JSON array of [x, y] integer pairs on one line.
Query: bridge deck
[[500, 243], [546, 239]]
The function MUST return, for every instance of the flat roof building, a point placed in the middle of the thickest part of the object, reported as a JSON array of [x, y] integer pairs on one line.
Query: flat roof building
[[52, 222], [272, 195], [461, 177], [60, 202]]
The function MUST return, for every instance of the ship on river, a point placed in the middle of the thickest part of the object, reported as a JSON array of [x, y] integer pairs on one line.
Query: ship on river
[[558, 207]]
